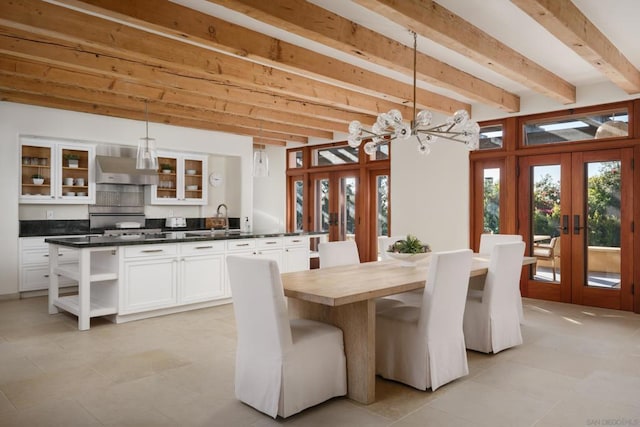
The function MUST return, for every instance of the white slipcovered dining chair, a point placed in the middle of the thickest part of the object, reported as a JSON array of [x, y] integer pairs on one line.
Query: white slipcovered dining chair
[[423, 346], [282, 366], [491, 320], [333, 254], [487, 242]]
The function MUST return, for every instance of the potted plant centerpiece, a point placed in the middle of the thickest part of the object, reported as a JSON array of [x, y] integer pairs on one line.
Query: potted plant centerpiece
[[72, 160], [37, 179], [166, 168], [409, 250]]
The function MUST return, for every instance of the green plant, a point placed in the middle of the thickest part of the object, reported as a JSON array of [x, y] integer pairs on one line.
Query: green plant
[[37, 176], [71, 156], [410, 245], [166, 166]]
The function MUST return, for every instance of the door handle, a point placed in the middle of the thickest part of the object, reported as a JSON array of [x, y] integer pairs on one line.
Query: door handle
[[576, 224], [565, 224]]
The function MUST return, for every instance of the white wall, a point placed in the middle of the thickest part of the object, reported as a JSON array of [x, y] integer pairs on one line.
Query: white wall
[[269, 194], [17, 119], [430, 194]]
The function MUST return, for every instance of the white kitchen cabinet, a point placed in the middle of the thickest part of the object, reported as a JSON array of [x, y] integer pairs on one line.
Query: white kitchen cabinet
[[149, 278], [34, 264], [182, 180], [202, 272], [270, 247], [169, 275], [56, 171], [296, 253]]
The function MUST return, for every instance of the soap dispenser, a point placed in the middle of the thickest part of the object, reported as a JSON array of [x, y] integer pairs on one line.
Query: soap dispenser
[[247, 226]]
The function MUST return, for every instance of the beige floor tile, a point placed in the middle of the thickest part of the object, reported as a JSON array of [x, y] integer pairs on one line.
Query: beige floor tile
[[488, 405], [135, 402], [5, 406], [66, 413], [17, 369], [611, 387], [394, 400], [138, 365], [432, 417], [53, 386], [339, 412], [540, 384], [582, 410]]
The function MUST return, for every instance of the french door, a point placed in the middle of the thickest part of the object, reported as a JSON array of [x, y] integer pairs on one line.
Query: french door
[[575, 210], [334, 204]]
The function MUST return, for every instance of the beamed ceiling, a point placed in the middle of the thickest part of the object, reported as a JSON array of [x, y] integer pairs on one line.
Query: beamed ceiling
[[293, 71]]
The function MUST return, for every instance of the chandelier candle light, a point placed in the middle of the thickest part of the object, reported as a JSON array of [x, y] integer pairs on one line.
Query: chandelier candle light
[[147, 156], [389, 126]]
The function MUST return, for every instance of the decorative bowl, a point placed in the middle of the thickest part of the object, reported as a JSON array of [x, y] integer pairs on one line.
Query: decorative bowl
[[192, 187], [191, 171], [38, 181], [408, 260], [70, 193]]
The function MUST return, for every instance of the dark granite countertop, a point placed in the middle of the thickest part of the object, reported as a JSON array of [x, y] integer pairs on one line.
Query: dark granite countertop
[[166, 237]]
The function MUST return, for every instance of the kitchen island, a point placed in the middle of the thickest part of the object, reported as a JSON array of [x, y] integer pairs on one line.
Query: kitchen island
[[135, 276]]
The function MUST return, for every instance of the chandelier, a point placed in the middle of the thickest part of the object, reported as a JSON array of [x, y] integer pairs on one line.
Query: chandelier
[[389, 126]]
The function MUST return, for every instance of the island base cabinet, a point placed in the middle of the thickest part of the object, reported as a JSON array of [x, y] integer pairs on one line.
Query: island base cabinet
[[202, 279], [148, 285]]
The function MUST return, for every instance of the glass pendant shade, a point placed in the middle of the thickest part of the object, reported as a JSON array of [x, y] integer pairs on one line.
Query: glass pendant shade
[[260, 164], [147, 156]]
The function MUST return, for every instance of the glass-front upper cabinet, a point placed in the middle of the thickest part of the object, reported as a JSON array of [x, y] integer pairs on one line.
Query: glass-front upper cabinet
[[182, 180], [56, 171]]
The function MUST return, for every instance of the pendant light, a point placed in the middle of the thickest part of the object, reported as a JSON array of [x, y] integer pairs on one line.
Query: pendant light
[[147, 156], [260, 160]]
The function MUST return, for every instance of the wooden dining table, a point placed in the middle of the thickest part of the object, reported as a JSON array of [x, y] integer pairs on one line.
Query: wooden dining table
[[345, 296]]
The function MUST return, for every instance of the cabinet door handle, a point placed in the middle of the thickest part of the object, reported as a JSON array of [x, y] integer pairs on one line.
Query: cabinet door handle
[[271, 243], [296, 241], [148, 251], [204, 247], [242, 244]]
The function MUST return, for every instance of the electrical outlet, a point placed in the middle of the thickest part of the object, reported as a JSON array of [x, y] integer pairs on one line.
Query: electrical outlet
[[170, 212], [49, 214]]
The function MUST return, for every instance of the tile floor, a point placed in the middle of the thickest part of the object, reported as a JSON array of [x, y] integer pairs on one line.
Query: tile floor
[[579, 366]]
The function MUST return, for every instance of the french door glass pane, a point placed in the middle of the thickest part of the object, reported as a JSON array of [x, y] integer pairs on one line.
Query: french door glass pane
[[603, 224], [491, 200], [348, 208], [382, 206], [322, 204], [299, 191], [546, 222]]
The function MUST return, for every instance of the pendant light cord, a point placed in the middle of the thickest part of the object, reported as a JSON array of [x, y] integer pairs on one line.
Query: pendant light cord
[[415, 65]]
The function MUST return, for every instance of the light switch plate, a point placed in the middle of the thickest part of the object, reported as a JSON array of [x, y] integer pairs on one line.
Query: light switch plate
[[49, 214]]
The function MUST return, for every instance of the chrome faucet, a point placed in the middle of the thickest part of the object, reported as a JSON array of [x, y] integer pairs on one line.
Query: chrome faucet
[[226, 217]]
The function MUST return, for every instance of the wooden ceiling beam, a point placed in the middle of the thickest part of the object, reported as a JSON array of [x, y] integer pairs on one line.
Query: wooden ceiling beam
[[185, 23], [429, 19], [261, 142], [73, 92], [179, 57], [315, 23], [47, 72], [565, 21], [92, 108], [72, 56]]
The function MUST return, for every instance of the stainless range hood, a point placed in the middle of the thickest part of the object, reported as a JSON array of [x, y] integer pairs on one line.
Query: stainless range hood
[[122, 170]]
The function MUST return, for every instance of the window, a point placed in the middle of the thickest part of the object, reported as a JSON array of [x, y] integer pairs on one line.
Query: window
[[582, 127], [490, 137], [295, 159], [338, 155]]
